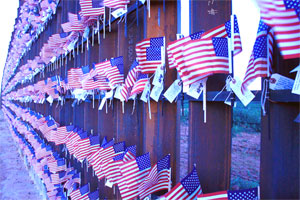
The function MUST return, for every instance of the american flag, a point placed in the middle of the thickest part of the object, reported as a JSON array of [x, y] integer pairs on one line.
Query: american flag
[[61, 134], [56, 166], [76, 25], [132, 74], [85, 74], [94, 146], [101, 82], [71, 140], [140, 84], [114, 172], [188, 188], [224, 30], [102, 66], [81, 193], [247, 194], [149, 53], [106, 155], [222, 195], [159, 178], [125, 92], [284, 17], [82, 148], [59, 177], [74, 75], [174, 48], [92, 7], [115, 73], [205, 57], [67, 27], [116, 3], [261, 57], [130, 153], [96, 157], [134, 172], [94, 195]]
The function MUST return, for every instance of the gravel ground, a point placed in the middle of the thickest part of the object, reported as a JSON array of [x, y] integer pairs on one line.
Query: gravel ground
[[15, 181]]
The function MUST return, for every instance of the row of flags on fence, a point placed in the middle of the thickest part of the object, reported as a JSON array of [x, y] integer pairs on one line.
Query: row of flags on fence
[[114, 161], [196, 56], [32, 20]]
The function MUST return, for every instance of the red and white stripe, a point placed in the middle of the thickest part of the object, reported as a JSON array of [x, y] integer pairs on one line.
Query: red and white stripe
[[259, 67], [139, 86], [201, 61], [286, 26], [88, 10], [132, 177]]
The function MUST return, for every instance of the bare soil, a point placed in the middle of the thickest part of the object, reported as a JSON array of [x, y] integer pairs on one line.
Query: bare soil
[[245, 160]]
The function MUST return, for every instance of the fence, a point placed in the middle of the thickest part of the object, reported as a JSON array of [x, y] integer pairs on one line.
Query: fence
[[208, 144]]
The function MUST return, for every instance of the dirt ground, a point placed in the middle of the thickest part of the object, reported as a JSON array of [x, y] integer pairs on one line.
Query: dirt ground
[[15, 181], [245, 160]]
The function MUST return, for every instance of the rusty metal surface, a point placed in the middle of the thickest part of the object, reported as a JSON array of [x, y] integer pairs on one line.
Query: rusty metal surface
[[210, 143], [279, 160]]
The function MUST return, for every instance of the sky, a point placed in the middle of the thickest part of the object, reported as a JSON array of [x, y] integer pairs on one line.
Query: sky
[[8, 14], [246, 10]]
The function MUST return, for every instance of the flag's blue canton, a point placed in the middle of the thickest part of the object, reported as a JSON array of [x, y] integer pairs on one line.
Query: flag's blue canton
[[142, 76], [85, 69], [157, 42], [220, 46], [48, 148], [76, 176], [262, 27], [143, 161], [119, 63], [153, 53], [104, 141], [163, 163], [228, 27], [191, 182], [119, 147], [73, 172], [260, 47], [83, 135], [70, 128], [248, 194], [94, 195], [132, 149], [63, 35], [134, 64], [66, 80], [84, 189], [54, 78], [293, 4], [50, 123], [61, 174], [196, 36], [95, 140], [61, 162], [108, 144], [97, 3], [75, 186], [119, 157], [79, 17]]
